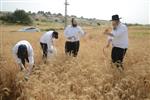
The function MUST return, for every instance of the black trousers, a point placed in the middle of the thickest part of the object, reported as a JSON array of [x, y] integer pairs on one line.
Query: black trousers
[[117, 56], [44, 49], [72, 48]]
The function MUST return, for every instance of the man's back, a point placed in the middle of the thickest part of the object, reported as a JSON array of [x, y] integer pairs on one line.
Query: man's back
[[46, 37]]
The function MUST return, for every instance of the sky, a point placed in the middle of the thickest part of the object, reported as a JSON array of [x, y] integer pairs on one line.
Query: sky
[[131, 11]]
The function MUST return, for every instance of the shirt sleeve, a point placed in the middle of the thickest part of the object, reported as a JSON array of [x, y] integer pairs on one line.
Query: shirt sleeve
[[30, 55], [31, 60], [110, 38], [120, 31], [66, 34], [81, 31], [49, 43], [15, 49]]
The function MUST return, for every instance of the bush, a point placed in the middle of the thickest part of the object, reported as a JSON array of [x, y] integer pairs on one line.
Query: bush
[[19, 16], [7, 18]]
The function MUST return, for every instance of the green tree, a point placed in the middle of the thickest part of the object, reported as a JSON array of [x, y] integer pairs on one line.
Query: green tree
[[20, 16]]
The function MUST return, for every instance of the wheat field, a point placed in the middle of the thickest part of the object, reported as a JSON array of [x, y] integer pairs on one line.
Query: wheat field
[[90, 76]]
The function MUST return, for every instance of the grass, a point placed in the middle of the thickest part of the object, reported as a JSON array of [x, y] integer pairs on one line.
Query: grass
[[140, 31], [87, 77]]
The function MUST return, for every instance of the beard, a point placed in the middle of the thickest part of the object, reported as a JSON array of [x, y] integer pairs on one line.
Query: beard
[[74, 25], [114, 28]]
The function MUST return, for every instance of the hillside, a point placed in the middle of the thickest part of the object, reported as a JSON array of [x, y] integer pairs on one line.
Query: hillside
[[59, 18]]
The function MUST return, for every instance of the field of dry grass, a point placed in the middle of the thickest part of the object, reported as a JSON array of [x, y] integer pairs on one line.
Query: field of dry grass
[[87, 77]]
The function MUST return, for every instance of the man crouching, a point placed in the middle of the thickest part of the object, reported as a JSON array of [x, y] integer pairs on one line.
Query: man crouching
[[23, 52], [47, 43]]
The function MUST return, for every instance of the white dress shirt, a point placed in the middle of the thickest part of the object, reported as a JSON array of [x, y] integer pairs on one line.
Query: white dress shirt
[[73, 33], [47, 39], [120, 36], [29, 50]]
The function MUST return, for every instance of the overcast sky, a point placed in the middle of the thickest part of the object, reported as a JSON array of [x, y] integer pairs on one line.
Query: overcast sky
[[131, 11]]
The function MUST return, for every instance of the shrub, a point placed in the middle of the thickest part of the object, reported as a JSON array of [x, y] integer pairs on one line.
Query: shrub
[[19, 17]]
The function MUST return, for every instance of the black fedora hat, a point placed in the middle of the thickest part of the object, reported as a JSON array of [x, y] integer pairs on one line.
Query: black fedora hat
[[115, 17]]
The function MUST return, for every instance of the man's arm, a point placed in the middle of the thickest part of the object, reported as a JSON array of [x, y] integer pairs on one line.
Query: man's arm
[[66, 32], [82, 33], [116, 33], [109, 41], [31, 59], [110, 34], [49, 45], [31, 64], [18, 60], [107, 32], [21, 66]]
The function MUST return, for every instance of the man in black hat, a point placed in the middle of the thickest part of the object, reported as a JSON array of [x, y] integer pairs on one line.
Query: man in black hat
[[73, 33], [47, 43], [119, 39], [23, 52]]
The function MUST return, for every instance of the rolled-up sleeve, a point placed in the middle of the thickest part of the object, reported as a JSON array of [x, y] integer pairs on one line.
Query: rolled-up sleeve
[[31, 55]]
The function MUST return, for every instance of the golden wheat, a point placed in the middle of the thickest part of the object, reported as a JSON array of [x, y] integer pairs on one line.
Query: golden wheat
[[90, 76]]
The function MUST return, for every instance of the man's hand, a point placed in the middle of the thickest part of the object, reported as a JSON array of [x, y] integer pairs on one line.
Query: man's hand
[[72, 37], [109, 42], [22, 68], [106, 31], [107, 46], [50, 51], [29, 69], [69, 38]]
